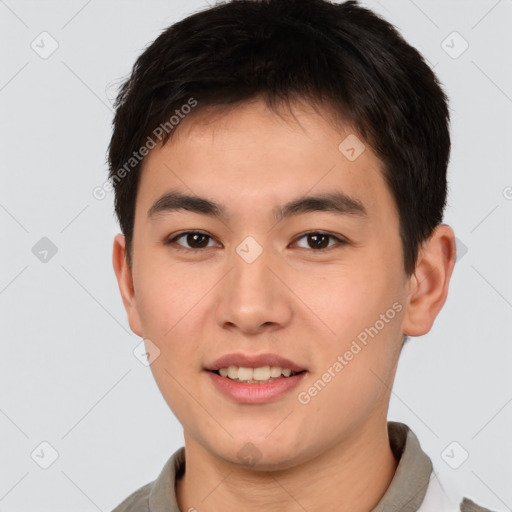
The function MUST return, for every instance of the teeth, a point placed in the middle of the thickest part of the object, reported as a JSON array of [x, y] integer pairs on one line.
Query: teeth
[[233, 372], [261, 373], [275, 371]]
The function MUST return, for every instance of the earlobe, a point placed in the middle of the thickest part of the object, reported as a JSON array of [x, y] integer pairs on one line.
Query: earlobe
[[125, 282], [429, 284]]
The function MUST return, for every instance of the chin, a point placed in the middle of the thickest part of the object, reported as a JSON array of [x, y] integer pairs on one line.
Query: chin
[[255, 455]]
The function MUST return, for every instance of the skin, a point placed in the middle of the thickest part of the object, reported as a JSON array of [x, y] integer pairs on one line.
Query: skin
[[303, 303]]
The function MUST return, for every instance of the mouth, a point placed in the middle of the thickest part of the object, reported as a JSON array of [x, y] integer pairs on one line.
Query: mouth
[[254, 378], [260, 385]]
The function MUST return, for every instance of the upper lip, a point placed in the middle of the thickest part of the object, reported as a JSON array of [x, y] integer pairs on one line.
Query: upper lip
[[253, 361]]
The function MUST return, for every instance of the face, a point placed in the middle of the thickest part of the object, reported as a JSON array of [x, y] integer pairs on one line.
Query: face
[[296, 254]]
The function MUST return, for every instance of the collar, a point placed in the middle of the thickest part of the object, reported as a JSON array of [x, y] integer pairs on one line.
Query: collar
[[412, 476], [405, 493]]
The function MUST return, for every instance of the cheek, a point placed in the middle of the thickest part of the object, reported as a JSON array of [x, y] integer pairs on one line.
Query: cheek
[[347, 300], [360, 310], [170, 302], [168, 295], [357, 359]]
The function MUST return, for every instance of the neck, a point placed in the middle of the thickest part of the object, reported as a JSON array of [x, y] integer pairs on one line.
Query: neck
[[354, 474]]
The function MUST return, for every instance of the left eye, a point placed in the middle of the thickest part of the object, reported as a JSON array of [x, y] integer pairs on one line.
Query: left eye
[[319, 240], [194, 239]]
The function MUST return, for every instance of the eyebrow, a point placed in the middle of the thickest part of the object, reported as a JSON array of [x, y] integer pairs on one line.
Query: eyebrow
[[334, 202]]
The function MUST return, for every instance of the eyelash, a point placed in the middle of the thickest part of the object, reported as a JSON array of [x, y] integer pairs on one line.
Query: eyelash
[[171, 241]]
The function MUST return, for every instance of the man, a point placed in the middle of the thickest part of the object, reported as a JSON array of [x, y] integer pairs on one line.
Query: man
[[279, 170]]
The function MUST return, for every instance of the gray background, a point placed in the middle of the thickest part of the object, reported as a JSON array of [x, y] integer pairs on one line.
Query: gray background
[[68, 375]]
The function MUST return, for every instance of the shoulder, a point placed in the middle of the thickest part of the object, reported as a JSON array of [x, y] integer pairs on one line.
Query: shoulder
[[138, 501], [467, 505]]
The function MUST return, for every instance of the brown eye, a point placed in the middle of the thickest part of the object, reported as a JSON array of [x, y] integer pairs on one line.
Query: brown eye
[[318, 240], [197, 240], [194, 240]]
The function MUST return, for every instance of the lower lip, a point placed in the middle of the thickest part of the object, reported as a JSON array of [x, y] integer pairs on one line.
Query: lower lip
[[255, 393]]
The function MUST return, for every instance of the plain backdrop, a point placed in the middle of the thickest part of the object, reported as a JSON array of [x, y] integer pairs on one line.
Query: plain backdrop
[[68, 375]]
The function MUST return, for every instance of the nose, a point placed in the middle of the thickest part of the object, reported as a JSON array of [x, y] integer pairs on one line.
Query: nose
[[252, 297]]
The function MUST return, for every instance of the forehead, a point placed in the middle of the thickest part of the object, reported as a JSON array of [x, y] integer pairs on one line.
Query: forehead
[[251, 157]]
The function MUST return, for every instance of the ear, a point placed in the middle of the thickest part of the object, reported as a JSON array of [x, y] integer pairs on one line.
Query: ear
[[428, 286], [125, 282]]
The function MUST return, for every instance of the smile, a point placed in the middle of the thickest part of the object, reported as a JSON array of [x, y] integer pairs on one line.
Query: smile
[[254, 390]]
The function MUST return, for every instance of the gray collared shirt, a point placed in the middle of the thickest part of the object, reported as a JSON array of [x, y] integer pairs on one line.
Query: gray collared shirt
[[406, 493]]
